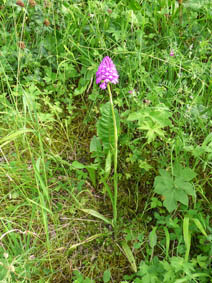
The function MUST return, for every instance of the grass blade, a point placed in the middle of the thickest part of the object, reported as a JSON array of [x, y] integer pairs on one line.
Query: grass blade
[[86, 241], [97, 215]]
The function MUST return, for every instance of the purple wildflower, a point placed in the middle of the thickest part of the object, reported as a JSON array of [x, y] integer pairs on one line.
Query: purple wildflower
[[171, 53], [106, 73]]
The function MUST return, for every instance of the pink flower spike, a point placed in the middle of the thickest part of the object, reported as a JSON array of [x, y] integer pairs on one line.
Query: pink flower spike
[[103, 85], [106, 73], [171, 53]]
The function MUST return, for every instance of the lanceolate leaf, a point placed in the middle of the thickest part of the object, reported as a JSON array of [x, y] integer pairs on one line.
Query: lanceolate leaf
[[153, 238], [97, 215], [108, 164], [187, 236], [199, 226], [129, 255], [105, 127]]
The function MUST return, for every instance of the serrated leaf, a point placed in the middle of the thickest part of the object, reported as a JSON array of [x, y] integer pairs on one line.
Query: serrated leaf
[[185, 186], [189, 189], [186, 174], [153, 130], [163, 183], [152, 120], [161, 117], [175, 188], [181, 196], [170, 201], [105, 127]]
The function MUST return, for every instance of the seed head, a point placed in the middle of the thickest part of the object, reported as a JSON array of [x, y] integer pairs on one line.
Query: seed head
[[46, 22], [32, 3], [106, 73], [21, 44], [20, 3]]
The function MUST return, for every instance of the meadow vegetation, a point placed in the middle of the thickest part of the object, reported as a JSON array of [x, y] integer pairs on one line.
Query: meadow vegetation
[[56, 141]]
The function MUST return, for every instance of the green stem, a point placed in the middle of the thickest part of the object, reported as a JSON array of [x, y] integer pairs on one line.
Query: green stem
[[115, 178]]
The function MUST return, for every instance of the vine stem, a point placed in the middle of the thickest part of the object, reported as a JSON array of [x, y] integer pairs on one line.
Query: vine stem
[[115, 177]]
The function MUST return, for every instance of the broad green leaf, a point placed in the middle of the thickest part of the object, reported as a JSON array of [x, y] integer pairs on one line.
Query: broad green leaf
[[181, 196], [184, 186], [97, 215], [170, 201], [106, 276], [153, 238], [188, 188], [105, 127], [129, 255], [163, 183], [174, 188], [186, 174]]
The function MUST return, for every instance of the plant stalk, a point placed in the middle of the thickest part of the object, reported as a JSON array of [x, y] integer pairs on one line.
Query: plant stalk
[[115, 177]]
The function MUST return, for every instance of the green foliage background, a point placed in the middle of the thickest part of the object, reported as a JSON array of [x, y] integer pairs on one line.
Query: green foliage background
[[53, 160]]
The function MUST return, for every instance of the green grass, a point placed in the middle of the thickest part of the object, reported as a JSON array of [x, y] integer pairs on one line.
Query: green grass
[[50, 108]]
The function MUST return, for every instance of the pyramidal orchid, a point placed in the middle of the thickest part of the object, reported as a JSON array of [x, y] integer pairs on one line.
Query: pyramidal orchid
[[106, 73]]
